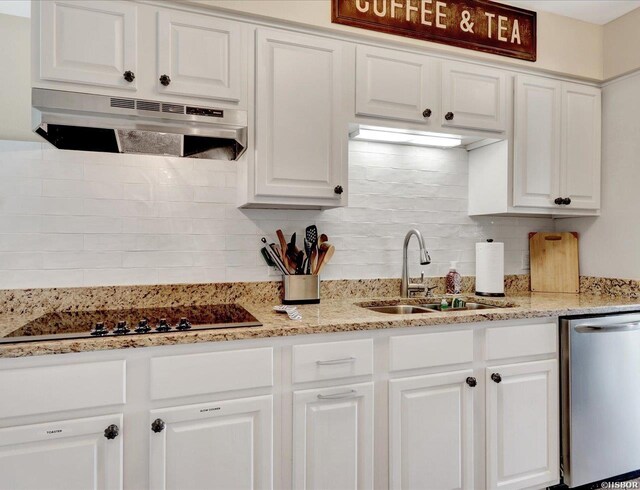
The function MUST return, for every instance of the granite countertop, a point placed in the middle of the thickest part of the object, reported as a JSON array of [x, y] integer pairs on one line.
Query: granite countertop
[[332, 315]]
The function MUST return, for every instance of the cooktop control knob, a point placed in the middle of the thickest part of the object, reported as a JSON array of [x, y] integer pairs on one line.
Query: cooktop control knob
[[143, 326], [121, 328], [183, 324], [99, 330], [163, 326]]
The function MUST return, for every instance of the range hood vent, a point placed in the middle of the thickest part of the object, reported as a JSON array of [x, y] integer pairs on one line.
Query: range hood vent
[[77, 121]]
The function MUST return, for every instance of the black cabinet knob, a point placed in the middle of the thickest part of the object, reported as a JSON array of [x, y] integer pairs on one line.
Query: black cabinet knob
[[157, 425], [566, 201], [449, 116], [165, 80], [338, 189], [496, 377], [111, 432], [426, 113], [471, 381], [559, 201], [129, 76]]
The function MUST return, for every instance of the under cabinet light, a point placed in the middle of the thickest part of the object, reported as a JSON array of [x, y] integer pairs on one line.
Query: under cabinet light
[[388, 135]]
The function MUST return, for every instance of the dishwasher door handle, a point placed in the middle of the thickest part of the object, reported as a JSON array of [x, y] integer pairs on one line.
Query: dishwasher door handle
[[617, 327]]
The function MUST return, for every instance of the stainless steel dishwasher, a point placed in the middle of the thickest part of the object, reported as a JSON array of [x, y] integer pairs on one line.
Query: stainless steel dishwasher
[[600, 396]]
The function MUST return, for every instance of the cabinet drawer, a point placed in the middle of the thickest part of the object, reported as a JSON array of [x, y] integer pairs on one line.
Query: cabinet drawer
[[525, 340], [212, 372], [49, 389], [430, 349], [332, 360]]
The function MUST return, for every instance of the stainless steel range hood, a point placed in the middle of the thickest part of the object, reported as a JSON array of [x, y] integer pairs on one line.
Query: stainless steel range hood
[[77, 121]]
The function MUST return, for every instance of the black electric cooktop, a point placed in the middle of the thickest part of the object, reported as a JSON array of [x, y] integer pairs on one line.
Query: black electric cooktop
[[131, 322]]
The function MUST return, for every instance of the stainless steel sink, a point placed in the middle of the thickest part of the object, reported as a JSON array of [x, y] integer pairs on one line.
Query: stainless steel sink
[[399, 309], [428, 308], [468, 306]]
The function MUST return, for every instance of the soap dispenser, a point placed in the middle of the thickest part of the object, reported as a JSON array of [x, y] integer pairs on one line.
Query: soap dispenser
[[453, 280]]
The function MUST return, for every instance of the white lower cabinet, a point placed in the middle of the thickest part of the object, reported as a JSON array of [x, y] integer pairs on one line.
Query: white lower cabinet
[[431, 431], [78, 454], [219, 445], [292, 413], [522, 425], [333, 438]]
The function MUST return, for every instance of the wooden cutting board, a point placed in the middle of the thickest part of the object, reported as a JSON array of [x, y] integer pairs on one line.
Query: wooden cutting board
[[554, 262]]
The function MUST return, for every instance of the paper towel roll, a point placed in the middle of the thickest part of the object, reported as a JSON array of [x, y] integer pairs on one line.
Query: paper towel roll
[[490, 269]]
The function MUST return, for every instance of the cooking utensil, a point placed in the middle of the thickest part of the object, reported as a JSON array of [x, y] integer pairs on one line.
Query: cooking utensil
[[328, 250], [307, 261], [314, 258], [283, 258], [292, 252], [267, 257], [275, 258], [283, 243], [311, 233], [300, 262], [554, 262], [323, 238]]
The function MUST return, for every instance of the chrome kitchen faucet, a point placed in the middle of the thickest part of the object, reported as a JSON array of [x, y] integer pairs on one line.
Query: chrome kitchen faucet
[[406, 288]]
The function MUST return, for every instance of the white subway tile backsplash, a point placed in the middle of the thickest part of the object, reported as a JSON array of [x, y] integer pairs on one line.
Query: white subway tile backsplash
[[19, 186], [82, 260], [122, 277], [20, 260], [74, 218], [80, 224], [20, 223]]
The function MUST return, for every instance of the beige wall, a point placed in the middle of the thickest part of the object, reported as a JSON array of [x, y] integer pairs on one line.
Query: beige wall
[[621, 42], [565, 46], [15, 78]]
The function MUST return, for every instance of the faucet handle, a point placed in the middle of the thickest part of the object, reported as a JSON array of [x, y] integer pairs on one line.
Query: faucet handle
[[422, 277]]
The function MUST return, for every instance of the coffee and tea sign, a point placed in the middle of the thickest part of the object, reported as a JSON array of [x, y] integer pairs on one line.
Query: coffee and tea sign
[[474, 24]]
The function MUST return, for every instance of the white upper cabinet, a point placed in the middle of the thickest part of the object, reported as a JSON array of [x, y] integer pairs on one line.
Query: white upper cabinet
[[301, 141], [581, 145], [431, 431], [536, 158], [395, 84], [76, 454], [160, 53], [473, 97], [199, 56], [89, 42], [522, 425], [217, 445], [556, 163], [333, 438]]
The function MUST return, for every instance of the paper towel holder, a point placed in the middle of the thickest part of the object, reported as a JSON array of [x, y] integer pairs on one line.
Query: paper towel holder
[[489, 294]]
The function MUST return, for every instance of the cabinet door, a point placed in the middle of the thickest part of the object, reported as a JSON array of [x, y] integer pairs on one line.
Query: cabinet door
[[522, 425], [581, 128], [200, 54], [62, 455], [88, 42], [473, 97], [396, 85], [333, 438], [218, 445], [300, 142], [431, 432], [537, 137]]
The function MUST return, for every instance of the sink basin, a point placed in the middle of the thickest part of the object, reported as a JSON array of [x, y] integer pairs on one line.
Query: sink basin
[[468, 306], [399, 309]]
